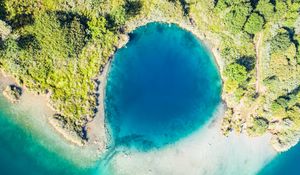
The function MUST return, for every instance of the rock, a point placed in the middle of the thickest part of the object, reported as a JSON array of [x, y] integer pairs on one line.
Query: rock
[[282, 144], [5, 30], [288, 122], [13, 93]]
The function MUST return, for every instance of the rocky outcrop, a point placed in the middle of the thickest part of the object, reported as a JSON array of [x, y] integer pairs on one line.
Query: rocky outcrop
[[13, 93]]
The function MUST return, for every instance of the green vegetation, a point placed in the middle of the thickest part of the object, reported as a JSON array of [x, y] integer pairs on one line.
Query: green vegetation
[[280, 42], [259, 127], [57, 52], [236, 75], [59, 47], [254, 23], [266, 100]]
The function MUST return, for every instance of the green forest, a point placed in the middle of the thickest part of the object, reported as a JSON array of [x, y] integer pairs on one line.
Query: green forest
[[59, 47]]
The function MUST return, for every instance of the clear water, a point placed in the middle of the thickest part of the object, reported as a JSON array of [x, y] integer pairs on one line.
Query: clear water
[[285, 163], [26, 152], [162, 86], [22, 152]]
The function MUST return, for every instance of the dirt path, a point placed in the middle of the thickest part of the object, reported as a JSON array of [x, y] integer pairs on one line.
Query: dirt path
[[258, 62], [244, 111]]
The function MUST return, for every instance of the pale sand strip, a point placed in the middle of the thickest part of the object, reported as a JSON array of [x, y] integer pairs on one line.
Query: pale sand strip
[[205, 152], [38, 116]]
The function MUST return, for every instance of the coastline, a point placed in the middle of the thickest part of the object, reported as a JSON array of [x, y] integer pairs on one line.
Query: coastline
[[30, 99], [205, 151], [97, 131], [97, 141], [208, 41]]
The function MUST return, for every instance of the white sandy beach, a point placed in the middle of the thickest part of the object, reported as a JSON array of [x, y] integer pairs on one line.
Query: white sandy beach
[[205, 152]]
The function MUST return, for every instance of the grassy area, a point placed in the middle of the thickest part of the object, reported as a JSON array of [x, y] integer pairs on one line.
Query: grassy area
[[60, 46]]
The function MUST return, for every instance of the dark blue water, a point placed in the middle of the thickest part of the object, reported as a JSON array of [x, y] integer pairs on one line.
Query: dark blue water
[[162, 86], [287, 163]]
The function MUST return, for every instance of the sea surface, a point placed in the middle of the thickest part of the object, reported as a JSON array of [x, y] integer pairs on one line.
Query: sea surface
[[162, 86], [287, 163]]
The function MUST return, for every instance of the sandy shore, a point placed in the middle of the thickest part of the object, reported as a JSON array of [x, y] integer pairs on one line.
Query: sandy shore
[[39, 107], [205, 152], [97, 131]]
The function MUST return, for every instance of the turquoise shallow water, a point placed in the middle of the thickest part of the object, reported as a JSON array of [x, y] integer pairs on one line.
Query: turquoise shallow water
[[23, 151], [162, 86]]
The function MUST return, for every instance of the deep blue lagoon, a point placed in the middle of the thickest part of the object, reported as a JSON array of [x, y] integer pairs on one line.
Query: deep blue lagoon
[[162, 86]]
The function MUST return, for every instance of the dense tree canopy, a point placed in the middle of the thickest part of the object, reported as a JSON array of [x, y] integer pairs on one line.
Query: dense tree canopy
[[254, 23]]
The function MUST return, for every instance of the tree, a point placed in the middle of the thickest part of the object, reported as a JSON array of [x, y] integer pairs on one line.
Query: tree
[[265, 8], [14, 8], [280, 8], [76, 36], [133, 7], [254, 23], [97, 27], [20, 12], [230, 85], [116, 18], [237, 17], [280, 42], [236, 72]]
